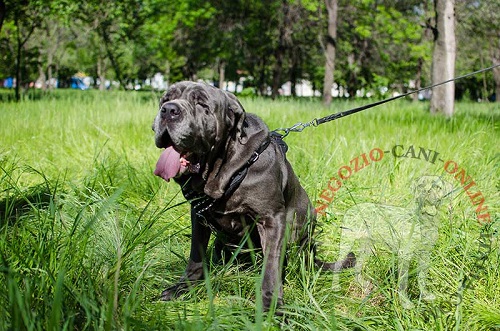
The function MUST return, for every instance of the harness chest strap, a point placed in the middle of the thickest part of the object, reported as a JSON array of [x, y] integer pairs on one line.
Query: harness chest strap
[[202, 203]]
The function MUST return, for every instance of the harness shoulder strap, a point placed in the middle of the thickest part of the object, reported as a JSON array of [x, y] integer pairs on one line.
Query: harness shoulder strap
[[240, 175]]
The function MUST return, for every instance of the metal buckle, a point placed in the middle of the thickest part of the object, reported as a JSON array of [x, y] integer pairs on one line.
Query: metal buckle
[[254, 157]]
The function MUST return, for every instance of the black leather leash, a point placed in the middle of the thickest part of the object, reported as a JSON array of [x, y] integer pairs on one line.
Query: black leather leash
[[299, 127]]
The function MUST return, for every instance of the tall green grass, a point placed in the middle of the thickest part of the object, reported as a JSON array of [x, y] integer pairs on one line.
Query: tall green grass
[[89, 237]]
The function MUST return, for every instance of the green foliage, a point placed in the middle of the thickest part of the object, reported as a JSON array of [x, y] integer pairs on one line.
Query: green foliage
[[89, 237], [388, 34], [478, 46], [268, 43]]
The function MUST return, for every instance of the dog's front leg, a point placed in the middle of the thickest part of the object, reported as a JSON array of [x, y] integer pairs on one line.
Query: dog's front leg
[[272, 233], [200, 235]]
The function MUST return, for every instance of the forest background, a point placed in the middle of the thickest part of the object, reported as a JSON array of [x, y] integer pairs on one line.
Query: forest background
[[380, 46]]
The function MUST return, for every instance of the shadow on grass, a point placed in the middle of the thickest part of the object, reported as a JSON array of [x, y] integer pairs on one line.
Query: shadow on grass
[[13, 206]]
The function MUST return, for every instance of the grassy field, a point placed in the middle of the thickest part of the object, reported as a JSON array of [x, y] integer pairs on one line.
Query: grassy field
[[89, 237]]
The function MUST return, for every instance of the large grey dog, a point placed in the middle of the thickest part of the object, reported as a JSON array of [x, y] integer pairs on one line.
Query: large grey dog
[[240, 184]]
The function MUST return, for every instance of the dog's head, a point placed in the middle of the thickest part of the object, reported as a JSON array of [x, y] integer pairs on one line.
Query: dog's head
[[193, 123], [430, 191]]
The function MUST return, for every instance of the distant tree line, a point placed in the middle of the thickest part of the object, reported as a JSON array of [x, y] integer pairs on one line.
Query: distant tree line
[[376, 43]]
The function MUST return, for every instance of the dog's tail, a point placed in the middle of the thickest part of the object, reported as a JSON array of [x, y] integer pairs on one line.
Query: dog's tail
[[348, 262]]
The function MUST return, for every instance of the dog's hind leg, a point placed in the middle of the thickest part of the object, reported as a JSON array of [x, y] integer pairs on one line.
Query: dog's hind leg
[[365, 250]]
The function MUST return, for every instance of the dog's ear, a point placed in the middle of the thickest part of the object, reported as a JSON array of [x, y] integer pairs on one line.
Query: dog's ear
[[230, 116], [244, 135], [235, 114]]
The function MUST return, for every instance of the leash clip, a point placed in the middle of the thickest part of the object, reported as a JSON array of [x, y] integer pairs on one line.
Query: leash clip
[[297, 127]]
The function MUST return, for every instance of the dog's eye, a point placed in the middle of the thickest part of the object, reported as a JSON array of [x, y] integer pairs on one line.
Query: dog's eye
[[204, 107]]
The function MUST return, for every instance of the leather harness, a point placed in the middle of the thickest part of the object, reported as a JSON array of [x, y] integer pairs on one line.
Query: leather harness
[[202, 203]]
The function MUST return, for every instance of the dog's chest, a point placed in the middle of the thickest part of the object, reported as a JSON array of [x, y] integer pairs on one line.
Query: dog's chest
[[236, 225], [231, 216]]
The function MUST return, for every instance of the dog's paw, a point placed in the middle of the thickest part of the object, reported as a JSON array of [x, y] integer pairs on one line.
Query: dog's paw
[[173, 292], [267, 304], [277, 312], [427, 296], [405, 301]]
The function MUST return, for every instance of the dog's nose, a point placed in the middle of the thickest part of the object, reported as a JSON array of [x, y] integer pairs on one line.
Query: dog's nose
[[170, 111]]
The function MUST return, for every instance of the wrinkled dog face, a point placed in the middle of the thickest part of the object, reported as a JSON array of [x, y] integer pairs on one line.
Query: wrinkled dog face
[[194, 119], [186, 120]]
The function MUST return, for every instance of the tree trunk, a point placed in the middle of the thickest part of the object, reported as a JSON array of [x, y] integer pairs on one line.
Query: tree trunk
[[277, 71], [331, 40], [112, 58], [418, 79], [18, 61], [261, 82], [167, 72], [3, 11], [443, 58], [279, 52], [49, 77], [495, 58], [294, 72], [20, 42], [55, 33], [222, 73], [100, 73], [41, 76]]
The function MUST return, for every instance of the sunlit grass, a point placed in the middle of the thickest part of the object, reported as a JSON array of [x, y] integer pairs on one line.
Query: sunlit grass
[[89, 237]]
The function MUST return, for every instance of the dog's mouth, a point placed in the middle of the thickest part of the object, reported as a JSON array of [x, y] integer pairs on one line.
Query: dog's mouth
[[173, 163]]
